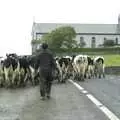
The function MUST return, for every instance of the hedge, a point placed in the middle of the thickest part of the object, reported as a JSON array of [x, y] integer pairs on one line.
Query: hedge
[[88, 50]]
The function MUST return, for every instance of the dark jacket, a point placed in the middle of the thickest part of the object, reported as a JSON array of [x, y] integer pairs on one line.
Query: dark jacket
[[45, 60]]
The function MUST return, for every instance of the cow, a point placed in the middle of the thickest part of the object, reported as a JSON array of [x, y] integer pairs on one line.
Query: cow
[[90, 68], [80, 66], [62, 67], [99, 66], [1, 77]]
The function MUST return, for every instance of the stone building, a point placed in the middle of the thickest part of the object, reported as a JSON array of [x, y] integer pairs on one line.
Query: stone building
[[93, 35]]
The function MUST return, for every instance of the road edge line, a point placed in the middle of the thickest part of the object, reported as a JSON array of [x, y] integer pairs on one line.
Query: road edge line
[[102, 107]]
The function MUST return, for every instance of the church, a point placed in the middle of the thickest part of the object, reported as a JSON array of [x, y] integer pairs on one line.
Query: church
[[93, 35]]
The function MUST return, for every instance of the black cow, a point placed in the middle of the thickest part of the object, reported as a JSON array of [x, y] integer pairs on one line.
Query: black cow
[[11, 60]]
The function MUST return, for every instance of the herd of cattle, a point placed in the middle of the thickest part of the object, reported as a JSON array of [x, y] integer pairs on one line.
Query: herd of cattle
[[18, 71], [79, 67]]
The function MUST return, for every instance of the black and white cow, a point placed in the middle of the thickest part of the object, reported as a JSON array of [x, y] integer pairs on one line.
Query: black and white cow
[[80, 66], [99, 66], [63, 64], [90, 68]]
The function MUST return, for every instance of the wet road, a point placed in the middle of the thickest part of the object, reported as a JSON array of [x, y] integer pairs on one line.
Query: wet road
[[67, 102], [105, 90]]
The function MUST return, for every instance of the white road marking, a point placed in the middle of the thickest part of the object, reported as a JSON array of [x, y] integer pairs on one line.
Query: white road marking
[[84, 91], [110, 115], [94, 100], [78, 86], [102, 107]]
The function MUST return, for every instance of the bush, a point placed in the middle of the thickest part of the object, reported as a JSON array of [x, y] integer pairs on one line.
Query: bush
[[89, 51]]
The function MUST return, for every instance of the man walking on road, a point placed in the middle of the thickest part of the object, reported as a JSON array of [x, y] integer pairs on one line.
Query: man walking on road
[[45, 64]]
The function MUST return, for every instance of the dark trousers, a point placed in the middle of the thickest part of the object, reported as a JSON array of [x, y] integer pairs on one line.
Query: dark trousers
[[45, 82]]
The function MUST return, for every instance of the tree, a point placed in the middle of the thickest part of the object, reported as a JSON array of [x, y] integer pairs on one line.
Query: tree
[[60, 37]]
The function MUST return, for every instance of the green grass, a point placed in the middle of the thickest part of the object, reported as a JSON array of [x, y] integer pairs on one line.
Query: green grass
[[112, 60]]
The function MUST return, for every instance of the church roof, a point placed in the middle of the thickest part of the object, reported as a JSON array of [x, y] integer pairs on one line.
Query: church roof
[[79, 28]]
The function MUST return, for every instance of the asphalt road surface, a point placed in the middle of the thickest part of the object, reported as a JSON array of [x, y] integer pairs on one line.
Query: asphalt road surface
[[105, 90], [67, 102]]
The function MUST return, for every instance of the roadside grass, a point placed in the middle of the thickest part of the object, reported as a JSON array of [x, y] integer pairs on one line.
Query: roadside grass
[[111, 60]]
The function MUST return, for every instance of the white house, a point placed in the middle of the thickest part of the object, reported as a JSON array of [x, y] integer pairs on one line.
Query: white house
[[93, 34]]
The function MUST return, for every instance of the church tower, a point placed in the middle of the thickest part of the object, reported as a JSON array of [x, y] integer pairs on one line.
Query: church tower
[[119, 19], [118, 25]]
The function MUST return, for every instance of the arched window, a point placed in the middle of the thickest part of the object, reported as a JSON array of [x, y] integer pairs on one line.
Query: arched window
[[93, 42], [105, 38], [93, 38], [116, 41], [81, 39], [82, 42]]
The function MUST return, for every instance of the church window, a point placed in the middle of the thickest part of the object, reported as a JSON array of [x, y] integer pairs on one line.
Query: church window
[[82, 42], [116, 41], [93, 42], [81, 39], [93, 38], [105, 38]]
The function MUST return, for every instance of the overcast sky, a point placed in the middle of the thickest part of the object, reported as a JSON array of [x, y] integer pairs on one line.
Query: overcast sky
[[16, 18]]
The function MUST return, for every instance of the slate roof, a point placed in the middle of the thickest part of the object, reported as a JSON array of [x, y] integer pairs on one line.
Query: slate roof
[[79, 28]]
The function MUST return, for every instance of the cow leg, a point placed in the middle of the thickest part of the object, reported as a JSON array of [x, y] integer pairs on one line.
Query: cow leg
[[100, 73], [58, 75], [74, 75], [99, 76], [78, 76], [82, 77], [36, 79], [31, 79], [62, 77], [85, 76], [22, 83], [103, 75], [95, 74]]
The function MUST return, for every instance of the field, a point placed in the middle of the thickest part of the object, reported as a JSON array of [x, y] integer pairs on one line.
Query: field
[[112, 60]]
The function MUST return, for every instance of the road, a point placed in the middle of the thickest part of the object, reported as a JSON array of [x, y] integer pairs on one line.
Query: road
[[67, 102], [105, 90]]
